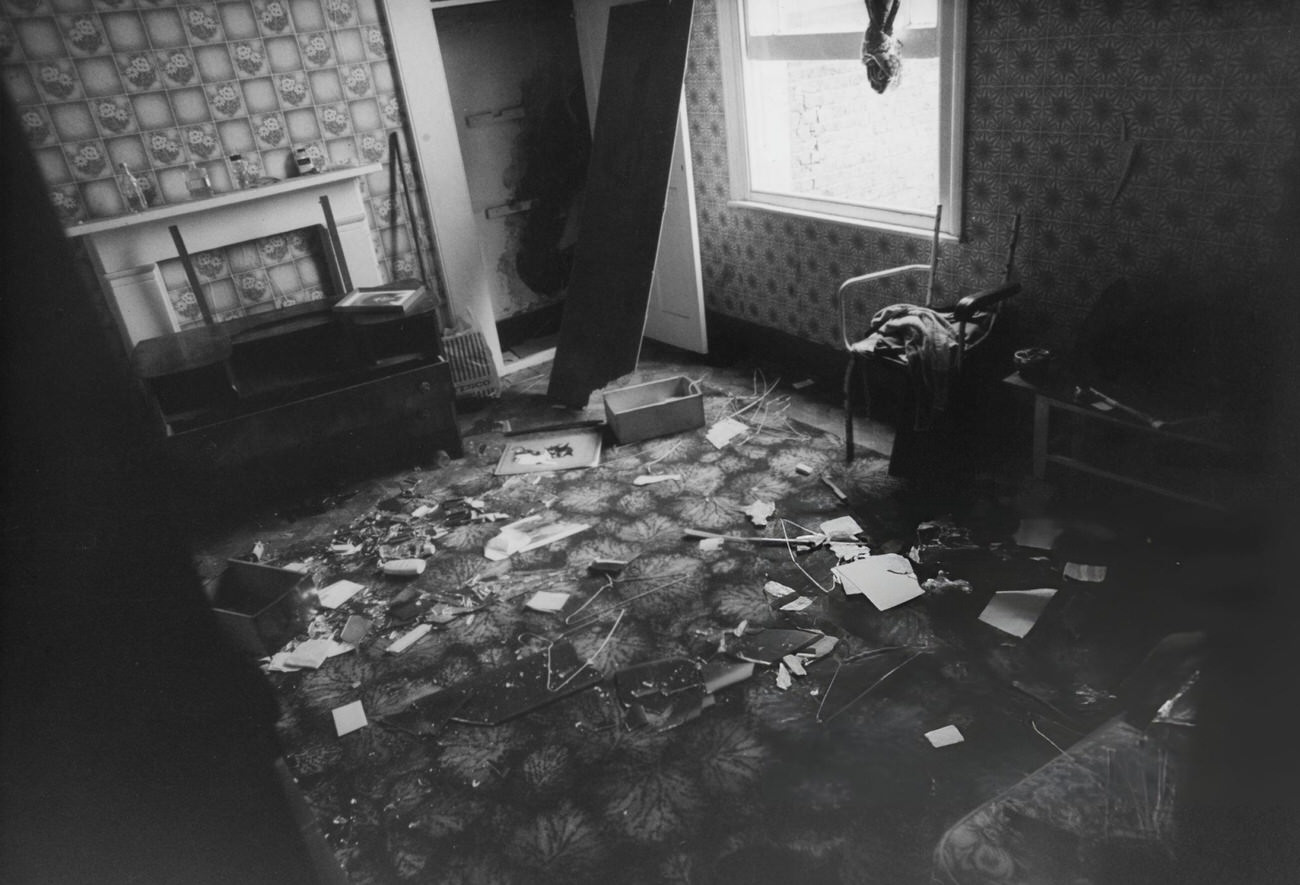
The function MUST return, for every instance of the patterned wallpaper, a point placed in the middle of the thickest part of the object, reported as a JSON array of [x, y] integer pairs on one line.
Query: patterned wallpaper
[[156, 84], [1208, 91]]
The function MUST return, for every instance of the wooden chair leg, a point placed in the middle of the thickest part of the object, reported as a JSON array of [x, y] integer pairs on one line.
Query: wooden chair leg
[[848, 409]]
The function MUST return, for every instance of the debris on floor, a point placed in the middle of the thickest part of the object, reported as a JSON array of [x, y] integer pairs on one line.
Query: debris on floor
[[525, 685], [887, 580], [349, 718], [338, 593], [945, 737], [1088, 573], [1016, 611]]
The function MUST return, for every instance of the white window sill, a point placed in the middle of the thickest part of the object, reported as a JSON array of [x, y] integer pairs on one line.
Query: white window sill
[[845, 221]]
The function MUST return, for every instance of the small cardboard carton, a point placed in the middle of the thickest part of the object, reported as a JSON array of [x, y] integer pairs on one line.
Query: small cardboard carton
[[656, 408], [259, 606]]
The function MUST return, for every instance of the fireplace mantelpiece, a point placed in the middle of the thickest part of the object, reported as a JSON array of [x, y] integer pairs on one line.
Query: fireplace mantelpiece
[[126, 250]]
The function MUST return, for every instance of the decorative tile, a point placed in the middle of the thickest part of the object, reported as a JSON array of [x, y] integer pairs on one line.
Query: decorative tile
[[272, 16], [164, 27], [334, 120], [10, 50], [375, 43], [113, 115], [83, 35], [340, 13], [365, 115], [202, 24], [201, 143], [291, 89], [260, 96], [279, 163], [254, 287], [372, 148], [303, 126], [166, 147], [390, 109], [342, 152], [39, 38], [269, 130], [178, 68], [282, 54], [308, 272], [249, 57], [87, 159], [222, 297], [172, 185], [37, 126], [189, 105], [20, 85], [348, 46], [152, 110], [53, 165], [325, 86], [212, 264], [307, 15], [225, 99], [236, 136], [56, 80], [138, 70], [73, 121], [128, 149], [68, 205], [126, 31], [111, 5], [356, 80], [214, 63], [381, 74], [101, 199], [317, 49]]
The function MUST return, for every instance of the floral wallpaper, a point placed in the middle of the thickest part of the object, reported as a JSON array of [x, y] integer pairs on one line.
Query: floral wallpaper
[[157, 85], [1208, 92]]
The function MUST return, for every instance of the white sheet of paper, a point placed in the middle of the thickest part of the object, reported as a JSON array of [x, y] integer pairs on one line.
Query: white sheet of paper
[[412, 636], [1079, 572], [1039, 532], [528, 534], [887, 580], [844, 552], [724, 432], [548, 601], [841, 527], [710, 543], [311, 654], [349, 717], [944, 737], [1016, 611], [797, 605], [338, 593]]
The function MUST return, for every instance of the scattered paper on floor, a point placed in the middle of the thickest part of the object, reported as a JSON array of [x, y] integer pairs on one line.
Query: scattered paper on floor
[[529, 533], [338, 593], [841, 527], [945, 737], [1016, 611], [797, 605], [724, 432], [846, 552], [783, 680], [349, 717], [548, 601], [887, 580]]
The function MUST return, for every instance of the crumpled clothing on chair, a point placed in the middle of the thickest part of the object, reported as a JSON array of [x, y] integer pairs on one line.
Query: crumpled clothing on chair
[[929, 343]]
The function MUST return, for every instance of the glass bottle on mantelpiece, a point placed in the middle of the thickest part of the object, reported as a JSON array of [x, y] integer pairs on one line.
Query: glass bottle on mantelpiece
[[198, 182], [132, 189]]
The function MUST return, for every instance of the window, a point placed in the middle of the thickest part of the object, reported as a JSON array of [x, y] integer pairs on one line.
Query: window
[[806, 132]]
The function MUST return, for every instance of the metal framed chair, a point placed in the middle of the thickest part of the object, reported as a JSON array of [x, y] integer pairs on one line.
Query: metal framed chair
[[928, 346]]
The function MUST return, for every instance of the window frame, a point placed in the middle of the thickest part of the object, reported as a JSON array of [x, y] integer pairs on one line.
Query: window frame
[[951, 50]]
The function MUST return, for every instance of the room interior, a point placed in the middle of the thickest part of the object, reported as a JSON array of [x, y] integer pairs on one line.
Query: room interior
[[1129, 166]]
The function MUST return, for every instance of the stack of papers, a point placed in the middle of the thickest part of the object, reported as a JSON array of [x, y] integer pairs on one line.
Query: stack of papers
[[887, 580], [1016, 611]]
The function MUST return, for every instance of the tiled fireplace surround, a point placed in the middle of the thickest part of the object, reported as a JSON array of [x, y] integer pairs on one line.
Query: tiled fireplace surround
[[1209, 91]]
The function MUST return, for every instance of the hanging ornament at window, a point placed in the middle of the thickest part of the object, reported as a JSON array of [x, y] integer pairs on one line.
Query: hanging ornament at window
[[882, 53]]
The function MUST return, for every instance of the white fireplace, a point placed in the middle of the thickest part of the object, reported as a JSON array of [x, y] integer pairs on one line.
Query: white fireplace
[[127, 250]]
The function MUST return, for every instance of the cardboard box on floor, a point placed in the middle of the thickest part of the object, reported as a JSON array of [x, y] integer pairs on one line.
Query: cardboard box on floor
[[656, 408]]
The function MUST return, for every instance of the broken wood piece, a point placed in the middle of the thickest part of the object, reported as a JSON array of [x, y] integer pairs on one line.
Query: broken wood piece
[[819, 649], [354, 630], [772, 644], [608, 566], [778, 590], [783, 680], [803, 469], [657, 478], [547, 601], [797, 605], [800, 541], [794, 665], [406, 568], [412, 636], [835, 490]]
